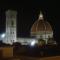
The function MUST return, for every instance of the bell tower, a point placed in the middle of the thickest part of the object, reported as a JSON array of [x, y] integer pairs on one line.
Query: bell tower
[[11, 17]]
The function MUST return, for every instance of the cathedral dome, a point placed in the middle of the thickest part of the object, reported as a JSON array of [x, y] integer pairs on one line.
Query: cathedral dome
[[40, 26]]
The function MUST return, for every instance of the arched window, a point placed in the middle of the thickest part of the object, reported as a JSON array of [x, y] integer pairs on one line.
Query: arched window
[[12, 23]]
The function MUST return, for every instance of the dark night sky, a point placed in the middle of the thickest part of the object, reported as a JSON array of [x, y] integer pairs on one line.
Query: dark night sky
[[28, 13]]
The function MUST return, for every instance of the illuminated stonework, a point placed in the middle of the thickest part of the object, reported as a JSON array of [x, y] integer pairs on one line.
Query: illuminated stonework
[[41, 29], [10, 26]]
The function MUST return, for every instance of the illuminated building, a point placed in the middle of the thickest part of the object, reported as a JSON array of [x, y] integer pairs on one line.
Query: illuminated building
[[41, 29], [10, 26]]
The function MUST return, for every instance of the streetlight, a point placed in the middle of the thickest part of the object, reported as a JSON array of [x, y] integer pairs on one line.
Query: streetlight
[[3, 35], [33, 43]]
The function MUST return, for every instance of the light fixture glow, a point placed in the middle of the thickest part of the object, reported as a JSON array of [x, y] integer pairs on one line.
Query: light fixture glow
[[3, 35], [33, 43], [41, 16]]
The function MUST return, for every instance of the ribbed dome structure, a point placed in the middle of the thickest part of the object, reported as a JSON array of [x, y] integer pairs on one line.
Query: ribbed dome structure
[[41, 28]]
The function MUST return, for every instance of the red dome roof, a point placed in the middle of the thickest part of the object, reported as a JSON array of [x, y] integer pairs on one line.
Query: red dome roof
[[41, 25]]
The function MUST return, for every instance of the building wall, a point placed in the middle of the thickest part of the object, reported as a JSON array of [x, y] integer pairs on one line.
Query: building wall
[[43, 35], [26, 41]]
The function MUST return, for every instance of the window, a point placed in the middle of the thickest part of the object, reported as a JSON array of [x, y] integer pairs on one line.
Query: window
[[13, 40], [12, 23], [12, 32]]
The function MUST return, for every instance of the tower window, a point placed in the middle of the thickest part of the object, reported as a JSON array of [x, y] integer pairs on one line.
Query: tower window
[[12, 23], [12, 40], [12, 32]]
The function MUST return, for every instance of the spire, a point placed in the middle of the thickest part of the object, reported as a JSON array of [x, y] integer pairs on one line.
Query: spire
[[40, 16]]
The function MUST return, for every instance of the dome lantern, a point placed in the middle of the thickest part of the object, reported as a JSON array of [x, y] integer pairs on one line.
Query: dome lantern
[[40, 16]]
